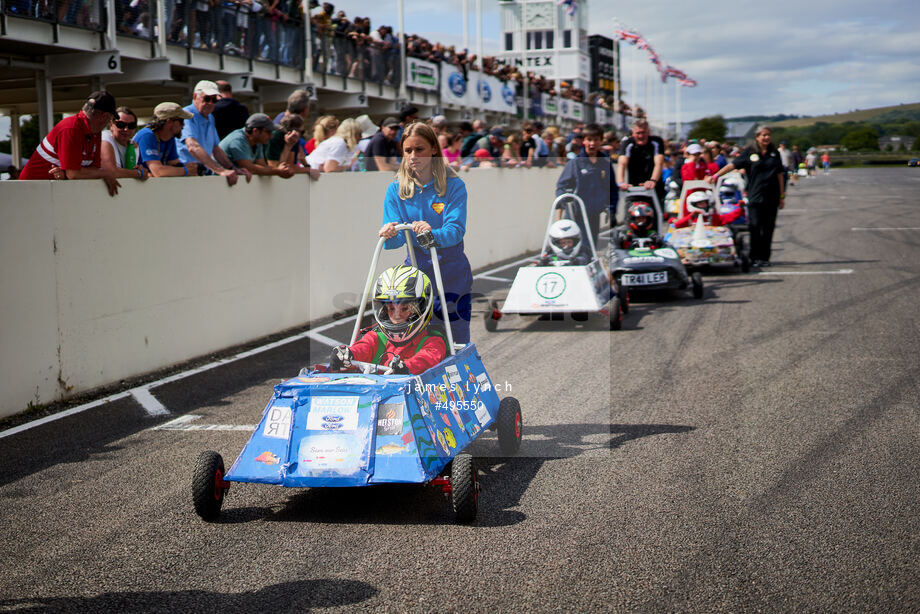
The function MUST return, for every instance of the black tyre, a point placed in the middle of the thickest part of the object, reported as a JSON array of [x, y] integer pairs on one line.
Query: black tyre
[[615, 314], [490, 319], [697, 279], [623, 293], [464, 493], [510, 425], [208, 485]]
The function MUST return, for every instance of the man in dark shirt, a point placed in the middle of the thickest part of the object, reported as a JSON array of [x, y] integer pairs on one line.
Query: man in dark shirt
[[229, 113], [766, 191], [382, 153], [590, 176], [642, 159]]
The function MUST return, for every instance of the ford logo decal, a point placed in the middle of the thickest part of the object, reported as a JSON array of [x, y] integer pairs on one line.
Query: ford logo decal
[[333, 426], [457, 84], [508, 95], [485, 92], [333, 418]]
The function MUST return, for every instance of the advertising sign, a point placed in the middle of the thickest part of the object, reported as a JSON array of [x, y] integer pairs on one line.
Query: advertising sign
[[422, 75]]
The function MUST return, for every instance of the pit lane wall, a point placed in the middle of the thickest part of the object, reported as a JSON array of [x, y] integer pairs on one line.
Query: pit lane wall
[[97, 289]]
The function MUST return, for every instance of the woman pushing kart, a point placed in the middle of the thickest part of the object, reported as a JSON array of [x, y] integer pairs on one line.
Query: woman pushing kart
[[429, 195]]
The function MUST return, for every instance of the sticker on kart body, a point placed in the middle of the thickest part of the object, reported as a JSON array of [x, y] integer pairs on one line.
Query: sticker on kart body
[[333, 413], [484, 384], [389, 418], [277, 423], [482, 414], [636, 259], [453, 373], [550, 286], [666, 252], [268, 458]]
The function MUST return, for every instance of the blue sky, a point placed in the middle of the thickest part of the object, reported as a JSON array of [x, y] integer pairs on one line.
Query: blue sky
[[749, 57]]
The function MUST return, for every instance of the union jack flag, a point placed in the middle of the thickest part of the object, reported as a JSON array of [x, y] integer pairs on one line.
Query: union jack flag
[[571, 6], [688, 82], [630, 37], [675, 72]]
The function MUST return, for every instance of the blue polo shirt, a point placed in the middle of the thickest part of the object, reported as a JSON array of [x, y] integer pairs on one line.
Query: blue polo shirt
[[149, 147], [202, 129]]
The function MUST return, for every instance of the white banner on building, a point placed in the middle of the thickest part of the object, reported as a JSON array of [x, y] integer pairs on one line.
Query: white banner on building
[[422, 75], [454, 88]]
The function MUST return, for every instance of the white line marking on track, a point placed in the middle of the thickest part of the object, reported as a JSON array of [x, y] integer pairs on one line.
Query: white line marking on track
[[492, 278], [148, 402], [183, 423], [837, 272], [324, 339], [891, 228], [63, 414]]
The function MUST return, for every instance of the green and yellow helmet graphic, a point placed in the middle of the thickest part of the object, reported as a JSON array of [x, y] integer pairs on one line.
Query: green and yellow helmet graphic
[[410, 288]]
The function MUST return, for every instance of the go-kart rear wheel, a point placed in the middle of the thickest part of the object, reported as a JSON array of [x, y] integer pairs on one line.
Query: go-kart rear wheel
[[464, 493], [208, 485], [490, 317], [615, 314], [697, 279], [510, 426]]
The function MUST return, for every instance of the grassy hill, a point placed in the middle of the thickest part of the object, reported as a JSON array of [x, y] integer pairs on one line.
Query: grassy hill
[[900, 112]]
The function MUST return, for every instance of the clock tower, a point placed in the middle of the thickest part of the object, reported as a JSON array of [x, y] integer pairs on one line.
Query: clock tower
[[542, 35]]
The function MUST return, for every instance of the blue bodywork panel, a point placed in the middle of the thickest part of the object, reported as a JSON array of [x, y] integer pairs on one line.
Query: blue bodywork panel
[[348, 429]]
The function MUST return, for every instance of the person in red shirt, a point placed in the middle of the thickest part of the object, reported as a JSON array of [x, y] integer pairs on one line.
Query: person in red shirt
[[694, 168], [72, 148], [403, 303], [709, 160]]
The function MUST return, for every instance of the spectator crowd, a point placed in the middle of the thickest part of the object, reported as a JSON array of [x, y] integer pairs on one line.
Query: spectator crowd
[[272, 30], [216, 135]]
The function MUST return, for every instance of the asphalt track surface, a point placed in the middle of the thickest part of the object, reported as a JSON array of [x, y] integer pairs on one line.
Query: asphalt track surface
[[753, 451]]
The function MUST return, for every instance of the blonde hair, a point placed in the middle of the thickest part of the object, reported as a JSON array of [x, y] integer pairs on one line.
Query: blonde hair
[[324, 128], [439, 167], [351, 132]]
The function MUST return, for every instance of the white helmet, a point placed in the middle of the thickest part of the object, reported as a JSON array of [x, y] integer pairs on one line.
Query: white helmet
[[735, 182], [700, 201], [564, 230]]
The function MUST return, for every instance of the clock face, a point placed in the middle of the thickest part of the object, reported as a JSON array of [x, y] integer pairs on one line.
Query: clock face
[[539, 15]]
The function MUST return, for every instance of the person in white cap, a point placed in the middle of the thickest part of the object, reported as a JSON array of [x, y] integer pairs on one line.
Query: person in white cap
[[199, 141], [694, 167], [368, 129]]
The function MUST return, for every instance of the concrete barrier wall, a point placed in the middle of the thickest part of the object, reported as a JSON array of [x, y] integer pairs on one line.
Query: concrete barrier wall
[[96, 289]]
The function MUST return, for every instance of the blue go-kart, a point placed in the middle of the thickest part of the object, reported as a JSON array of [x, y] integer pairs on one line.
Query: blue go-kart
[[325, 429]]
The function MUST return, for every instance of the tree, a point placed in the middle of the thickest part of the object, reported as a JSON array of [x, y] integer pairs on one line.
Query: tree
[[860, 139], [709, 128]]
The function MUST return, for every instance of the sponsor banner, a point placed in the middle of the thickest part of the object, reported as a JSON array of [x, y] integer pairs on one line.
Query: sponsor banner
[[422, 75], [550, 104], [454, 88]]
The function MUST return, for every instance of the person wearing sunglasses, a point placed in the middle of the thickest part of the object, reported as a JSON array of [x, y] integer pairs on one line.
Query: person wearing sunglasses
[[118, 153], [199, 142]]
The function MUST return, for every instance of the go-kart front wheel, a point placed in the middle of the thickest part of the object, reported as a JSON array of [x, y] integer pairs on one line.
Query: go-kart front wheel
[[510, 426], [464, 493], [623, 293], [492, 316], [615, 314], [697, 279], [208, 485]]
